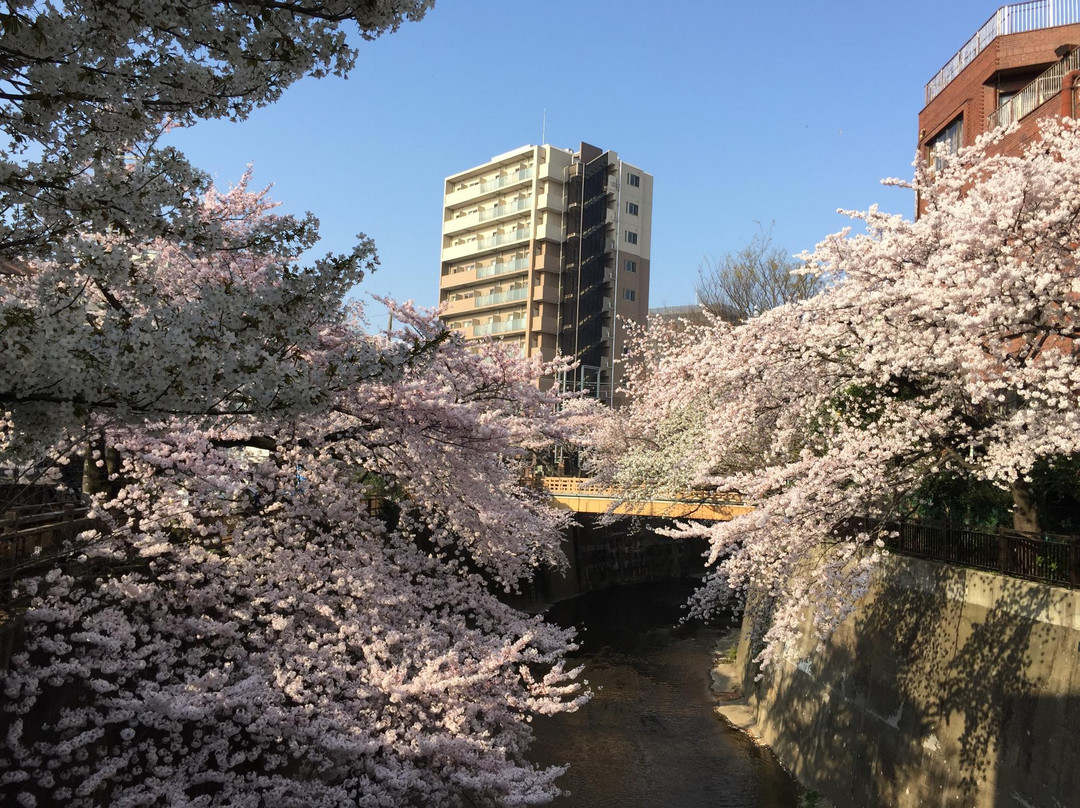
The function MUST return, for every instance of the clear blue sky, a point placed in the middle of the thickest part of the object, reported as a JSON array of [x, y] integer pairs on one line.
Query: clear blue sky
[[744, 113]]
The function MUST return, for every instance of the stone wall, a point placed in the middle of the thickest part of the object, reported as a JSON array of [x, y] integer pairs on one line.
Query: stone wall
[[947, 687]]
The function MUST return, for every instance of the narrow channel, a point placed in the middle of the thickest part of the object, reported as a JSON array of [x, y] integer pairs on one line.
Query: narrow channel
[[650, 737]]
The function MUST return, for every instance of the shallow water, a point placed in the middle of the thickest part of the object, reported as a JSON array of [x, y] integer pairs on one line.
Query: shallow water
[[650, 737]]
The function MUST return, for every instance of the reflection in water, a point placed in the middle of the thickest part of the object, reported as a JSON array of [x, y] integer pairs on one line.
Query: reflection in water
[[649, 737]]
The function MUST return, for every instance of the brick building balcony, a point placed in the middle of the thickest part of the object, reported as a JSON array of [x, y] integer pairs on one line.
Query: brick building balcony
[[1015, 18]]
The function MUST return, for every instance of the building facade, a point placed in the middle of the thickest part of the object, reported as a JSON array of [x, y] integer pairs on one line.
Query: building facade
[[547, 249], [1021, 66]]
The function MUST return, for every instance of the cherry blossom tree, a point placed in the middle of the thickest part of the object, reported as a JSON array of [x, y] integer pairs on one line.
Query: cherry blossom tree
[[290, 597], [945, 345], [88, 86], [289, 594]]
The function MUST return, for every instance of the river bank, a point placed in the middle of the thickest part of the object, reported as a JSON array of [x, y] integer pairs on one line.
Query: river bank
[[650, 737], [733, 705]]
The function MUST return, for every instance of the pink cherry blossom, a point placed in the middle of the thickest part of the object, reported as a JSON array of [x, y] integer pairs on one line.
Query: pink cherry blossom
[[946, 344], [291, 597]]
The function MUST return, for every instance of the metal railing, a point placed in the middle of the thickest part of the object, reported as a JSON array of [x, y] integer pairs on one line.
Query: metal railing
[[1037, 557], [1035, 94], [584, 486], [31, 535], [1011, 19]]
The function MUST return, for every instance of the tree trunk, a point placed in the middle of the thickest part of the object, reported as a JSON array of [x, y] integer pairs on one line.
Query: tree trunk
[[1025, 513], [95, 478]]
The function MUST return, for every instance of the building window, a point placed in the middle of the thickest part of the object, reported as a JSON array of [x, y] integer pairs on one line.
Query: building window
[[629, 294], [631, 237], [632, 208], [951, 137], [631, 266], [633, 179]]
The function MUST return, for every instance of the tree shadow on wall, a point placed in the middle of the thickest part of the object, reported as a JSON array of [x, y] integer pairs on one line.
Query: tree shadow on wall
[[945, 688]]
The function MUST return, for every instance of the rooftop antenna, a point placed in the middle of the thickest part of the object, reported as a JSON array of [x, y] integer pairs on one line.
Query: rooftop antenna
[[543, 129]]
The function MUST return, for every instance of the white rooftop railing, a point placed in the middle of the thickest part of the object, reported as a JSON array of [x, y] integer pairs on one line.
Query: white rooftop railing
[[1012, 19]]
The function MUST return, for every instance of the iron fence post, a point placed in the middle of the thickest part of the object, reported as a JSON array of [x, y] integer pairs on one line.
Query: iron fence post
[[1074, 563], [1003, 551]]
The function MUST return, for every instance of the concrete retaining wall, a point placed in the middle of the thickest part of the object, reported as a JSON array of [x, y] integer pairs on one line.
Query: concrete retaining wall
[[947, 687]]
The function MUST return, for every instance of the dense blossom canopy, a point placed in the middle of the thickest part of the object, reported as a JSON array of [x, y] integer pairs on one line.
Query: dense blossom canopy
[[287, 601], [288, 597], [943, 345]]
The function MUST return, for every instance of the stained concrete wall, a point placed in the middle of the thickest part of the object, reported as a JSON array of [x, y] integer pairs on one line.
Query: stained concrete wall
[[947, 687]]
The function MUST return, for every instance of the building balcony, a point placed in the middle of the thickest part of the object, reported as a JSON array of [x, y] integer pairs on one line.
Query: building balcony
[[550, 201], [454, 308], [456, 252], [551, 261], [1035, 94], [504, 268], [551, 170], [471, 274], [546, 293], [498, 240], [545, 325], [479, 189], [499, 298], [551, 229], [459, 223], [505, 210], [492, 329], [1016, 18]]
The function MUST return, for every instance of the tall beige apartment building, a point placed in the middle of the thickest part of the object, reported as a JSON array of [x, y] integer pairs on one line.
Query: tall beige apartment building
[[548, 249]]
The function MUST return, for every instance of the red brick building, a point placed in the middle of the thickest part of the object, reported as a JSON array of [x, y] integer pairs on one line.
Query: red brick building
[[1022, 65]]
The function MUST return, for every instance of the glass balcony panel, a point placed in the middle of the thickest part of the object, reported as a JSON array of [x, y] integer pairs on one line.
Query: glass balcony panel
[[500, 297]]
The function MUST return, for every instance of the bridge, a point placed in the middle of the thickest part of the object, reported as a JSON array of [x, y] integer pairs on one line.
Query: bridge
[[579, 495]]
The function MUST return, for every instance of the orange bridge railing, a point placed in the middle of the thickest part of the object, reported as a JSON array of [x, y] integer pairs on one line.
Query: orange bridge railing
[[579, 495]]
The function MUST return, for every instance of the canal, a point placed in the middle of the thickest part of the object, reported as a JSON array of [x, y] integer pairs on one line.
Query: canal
[[650, 736]]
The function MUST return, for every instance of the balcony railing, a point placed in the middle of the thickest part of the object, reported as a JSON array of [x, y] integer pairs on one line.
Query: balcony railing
[[1012, 19], [1035, 94], [503, 238], [510, 179], [502, 210], [500, 297], [517, 324], [516, 265]]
